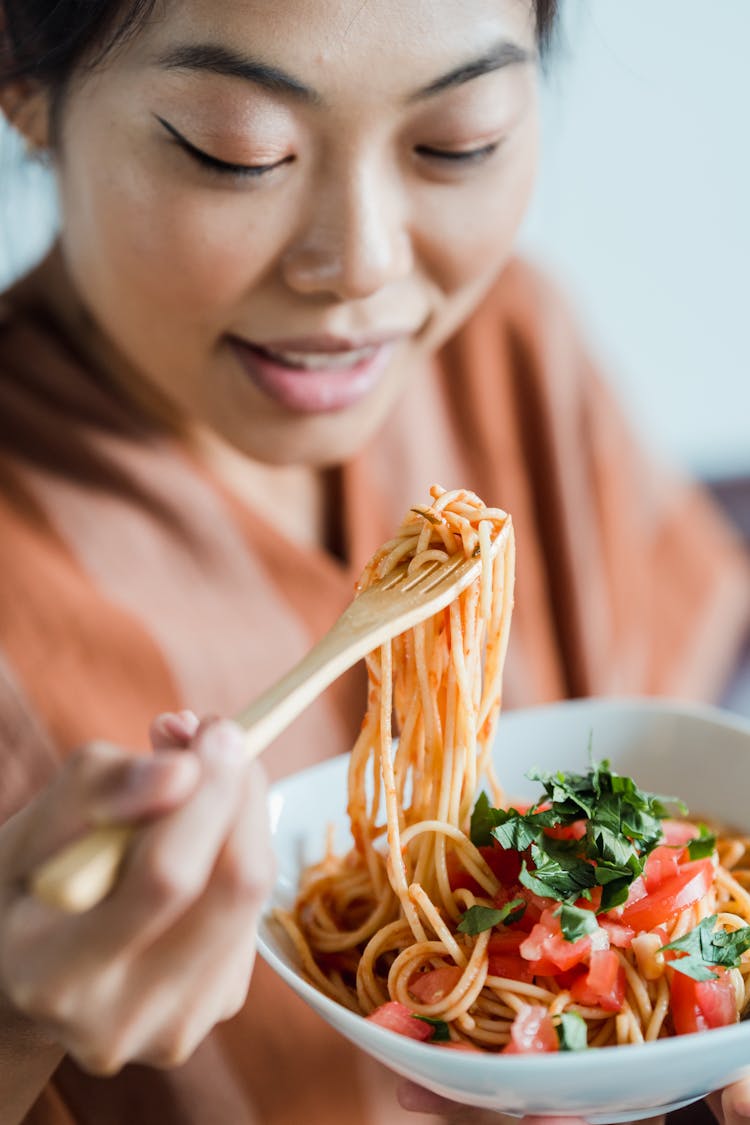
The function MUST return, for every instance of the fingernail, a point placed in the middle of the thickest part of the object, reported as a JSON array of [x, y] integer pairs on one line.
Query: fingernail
[[190, 720], [180, 724], [222, 742]]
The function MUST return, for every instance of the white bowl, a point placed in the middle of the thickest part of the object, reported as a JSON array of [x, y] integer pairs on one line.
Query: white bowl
[[698, 753]]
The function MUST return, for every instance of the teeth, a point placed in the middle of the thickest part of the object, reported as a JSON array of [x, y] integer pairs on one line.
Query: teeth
[[322, 361]]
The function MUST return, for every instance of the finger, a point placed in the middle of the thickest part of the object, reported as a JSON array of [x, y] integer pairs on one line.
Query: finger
[[418, 1100], [170, 861], [198, 972], [732, 1105], [99, 784], [173, 730], [165, 869]]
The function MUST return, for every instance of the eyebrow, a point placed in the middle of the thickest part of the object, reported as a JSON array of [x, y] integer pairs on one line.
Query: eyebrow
[[505, 53], [216, 59], [220, 60]]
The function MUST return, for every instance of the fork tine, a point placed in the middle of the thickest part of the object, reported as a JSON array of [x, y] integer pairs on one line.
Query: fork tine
[[441, 573], [393, 578], [417, 577]]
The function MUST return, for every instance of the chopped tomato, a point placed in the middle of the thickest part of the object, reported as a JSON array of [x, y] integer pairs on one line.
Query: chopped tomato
[[619, 935], [547, 949], [663, 863], [603, 985], [504, 958], [678, 832], [505, 863], [593, 902], [690, 885], [510, 966], [574, 831], [459, 878], [532, 912], [397, 1017], [697, 1005], [432, 986], [504, 941], [636, 891], [532, 1032]]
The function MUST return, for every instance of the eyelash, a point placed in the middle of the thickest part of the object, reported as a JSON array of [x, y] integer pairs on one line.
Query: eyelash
[[254, 171], [224, 168], [470, 156]]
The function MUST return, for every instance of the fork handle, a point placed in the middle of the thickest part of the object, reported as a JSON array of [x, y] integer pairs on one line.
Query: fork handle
[[272, 712], [79, 876]]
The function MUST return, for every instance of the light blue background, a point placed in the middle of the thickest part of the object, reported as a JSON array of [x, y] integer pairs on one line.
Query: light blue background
[[642, 211]]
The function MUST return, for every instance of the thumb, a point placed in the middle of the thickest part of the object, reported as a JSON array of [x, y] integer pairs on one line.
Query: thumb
[[99, 784]]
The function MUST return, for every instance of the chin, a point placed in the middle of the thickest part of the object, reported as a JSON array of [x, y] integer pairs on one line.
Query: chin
[[318, 441]]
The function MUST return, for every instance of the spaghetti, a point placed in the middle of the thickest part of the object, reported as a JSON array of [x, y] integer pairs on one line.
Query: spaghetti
[[440, 911]]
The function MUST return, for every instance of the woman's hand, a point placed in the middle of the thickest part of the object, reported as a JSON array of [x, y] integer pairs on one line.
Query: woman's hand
[[732, 1105], [146, 974]]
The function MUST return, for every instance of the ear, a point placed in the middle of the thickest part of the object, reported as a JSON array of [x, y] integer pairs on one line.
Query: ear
[[26, 106]]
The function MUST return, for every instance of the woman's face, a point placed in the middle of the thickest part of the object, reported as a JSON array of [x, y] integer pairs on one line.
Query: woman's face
[[273, 212]]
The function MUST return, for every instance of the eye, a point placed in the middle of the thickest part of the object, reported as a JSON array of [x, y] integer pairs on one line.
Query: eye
[[459, 156], [213, 164]]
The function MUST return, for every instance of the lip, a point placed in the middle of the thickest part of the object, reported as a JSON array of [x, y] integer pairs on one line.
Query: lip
[[318, 390]]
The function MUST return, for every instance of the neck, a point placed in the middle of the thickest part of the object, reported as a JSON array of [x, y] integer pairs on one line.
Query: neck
[[296, 500]]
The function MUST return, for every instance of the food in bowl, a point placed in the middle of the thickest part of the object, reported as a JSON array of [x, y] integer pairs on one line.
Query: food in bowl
[[590, 917]]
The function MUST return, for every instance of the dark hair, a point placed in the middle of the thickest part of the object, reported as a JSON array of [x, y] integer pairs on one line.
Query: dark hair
[[46, 40]]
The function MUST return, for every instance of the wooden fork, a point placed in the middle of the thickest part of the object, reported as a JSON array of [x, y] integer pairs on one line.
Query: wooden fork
[[81, 874]]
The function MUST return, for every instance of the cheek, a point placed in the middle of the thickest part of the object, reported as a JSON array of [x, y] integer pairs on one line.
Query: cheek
[[181, 251], [469, 231]]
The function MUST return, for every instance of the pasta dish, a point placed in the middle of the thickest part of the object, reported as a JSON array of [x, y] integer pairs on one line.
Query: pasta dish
[[597, 915]]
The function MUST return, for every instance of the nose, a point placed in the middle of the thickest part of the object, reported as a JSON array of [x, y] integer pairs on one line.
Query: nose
[[355, 240]]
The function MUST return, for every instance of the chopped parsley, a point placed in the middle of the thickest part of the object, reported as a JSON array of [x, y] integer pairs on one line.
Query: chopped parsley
[[575, 923], [441, 1033], [622, 825], [706, 947], [480, 918], [702, 845], [571, 1032]]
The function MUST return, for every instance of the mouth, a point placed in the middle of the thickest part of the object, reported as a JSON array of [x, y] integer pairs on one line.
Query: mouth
[[317, 374]]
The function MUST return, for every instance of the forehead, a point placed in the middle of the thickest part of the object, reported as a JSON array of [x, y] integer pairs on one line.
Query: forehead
[[328, 44]]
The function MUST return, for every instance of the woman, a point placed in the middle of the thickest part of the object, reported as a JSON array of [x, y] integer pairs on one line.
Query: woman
[[281, 304]]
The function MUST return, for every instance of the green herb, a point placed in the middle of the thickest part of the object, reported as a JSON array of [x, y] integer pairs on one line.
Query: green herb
[[483, 820], [622, 825], [704, 844], [575, 922], [518, 830], [441, 1033], [571, 1032], [705, 946], [559, 872], [511, 828], [480, 918]]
